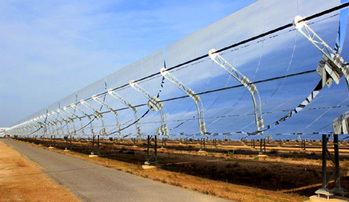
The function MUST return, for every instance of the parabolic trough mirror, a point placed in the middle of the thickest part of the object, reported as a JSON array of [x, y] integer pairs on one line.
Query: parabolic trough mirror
[[253, 74]]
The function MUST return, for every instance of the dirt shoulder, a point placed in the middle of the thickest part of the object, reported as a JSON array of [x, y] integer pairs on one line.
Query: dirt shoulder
[[23, 180]]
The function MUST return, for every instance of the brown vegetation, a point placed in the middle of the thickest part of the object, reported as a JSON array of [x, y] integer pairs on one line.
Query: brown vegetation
[[22, 180], [230, 170]]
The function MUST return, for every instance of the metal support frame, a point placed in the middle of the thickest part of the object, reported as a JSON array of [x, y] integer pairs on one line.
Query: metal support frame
[[251, 87], [154, 104], [59, 121], [265, 146], [32, 125], [262, 148], [148, 148], [214, 141], [332, 66], [202, 144], [70, 144], [98, 148], [39, 122], [47, 129], [93, 145], [49, 124], [93, 152], [54, 122], [87, 115], [155, 154], [66, 108], [336, 173], [134, 141], [196, 98], [269, 137], [163, 142], [97, 114], [62, 114], [101, 102], [253, 143], [66, 142], [303, 145], [67, 119], [130, 106], [51, 140], [66, 111], [340, 126], [50, 119]]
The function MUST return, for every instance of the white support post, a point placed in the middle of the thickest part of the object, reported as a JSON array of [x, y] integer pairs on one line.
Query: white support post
[[190, 93], [55, 121], [65, 118], [154, 104], [130, 106], [50, 123], [244, 81], [49, 127], [43, 122], [101, 102], [59, 121], [74, 106], [70, 118], [71, 114], [332, 67], [97, 114], [39, 122], [341, 124], [66, 109]]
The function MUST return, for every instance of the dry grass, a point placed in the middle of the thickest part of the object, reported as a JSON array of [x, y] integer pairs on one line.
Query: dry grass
[[239, 166], [211, 187], [23, 180]]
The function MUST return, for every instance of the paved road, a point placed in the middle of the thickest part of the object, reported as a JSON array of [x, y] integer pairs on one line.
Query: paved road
[[93, 182]]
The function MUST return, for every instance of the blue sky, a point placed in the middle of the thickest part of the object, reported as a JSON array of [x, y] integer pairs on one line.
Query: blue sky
[[50, 49]]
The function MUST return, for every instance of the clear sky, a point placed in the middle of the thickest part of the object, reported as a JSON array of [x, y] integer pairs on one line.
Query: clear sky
[[50, 49]]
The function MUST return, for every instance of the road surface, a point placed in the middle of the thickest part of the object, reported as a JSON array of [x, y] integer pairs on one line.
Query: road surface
[[93, 182]]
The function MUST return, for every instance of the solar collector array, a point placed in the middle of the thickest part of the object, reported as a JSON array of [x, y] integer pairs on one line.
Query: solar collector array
[[230, 109]]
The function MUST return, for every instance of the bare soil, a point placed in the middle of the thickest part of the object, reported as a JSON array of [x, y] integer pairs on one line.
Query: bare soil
[[230, 170], [23, 180]]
